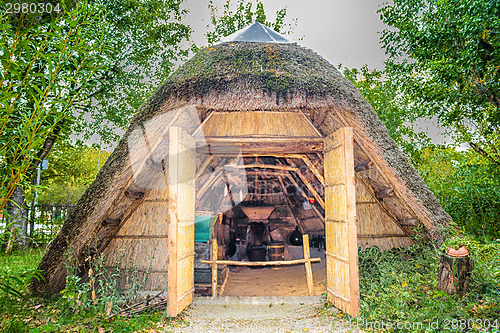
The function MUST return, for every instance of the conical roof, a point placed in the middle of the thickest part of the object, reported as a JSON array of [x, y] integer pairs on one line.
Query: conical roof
[[257, 33], [243, 75]]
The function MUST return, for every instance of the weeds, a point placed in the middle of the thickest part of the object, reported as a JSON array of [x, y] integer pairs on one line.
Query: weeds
[[399, 286], [81, 307]]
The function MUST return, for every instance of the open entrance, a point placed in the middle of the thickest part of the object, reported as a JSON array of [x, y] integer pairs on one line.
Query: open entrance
[[277, 199], [269, 201]]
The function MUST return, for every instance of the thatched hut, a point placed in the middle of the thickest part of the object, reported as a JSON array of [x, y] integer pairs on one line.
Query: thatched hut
[[252, 121]]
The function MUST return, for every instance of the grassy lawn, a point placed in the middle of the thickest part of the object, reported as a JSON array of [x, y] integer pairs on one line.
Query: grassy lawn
[[28, 314], [397, 286]]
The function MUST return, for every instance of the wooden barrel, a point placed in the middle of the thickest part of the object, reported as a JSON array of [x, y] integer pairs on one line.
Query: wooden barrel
[[276, 250]]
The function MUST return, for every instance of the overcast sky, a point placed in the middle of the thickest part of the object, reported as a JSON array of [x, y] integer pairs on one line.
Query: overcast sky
[[342, 31]]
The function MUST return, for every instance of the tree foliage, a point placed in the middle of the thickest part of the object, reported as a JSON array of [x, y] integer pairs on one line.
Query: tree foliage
[[46, 61], [394, 109], [468, 187], [72, 167], [144, 39], [445, 54], [229, 21], [84, 69]]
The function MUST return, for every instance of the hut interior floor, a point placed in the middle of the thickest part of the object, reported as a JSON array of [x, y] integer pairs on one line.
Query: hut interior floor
[[287, 281]]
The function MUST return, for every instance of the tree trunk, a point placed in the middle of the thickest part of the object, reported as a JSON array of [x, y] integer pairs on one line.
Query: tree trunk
[[18, 215], [454, 274]]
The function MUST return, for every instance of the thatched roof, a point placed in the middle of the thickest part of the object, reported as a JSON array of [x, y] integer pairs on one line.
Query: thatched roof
[[243, 76]]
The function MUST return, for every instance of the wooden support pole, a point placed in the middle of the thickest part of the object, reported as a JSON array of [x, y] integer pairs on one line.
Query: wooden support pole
[[111, 223], [313, 168], [364, 166], [408, 222], [153, 164], [214, 266], [294, 183], [134, 195], [384, 193], [307, 255], [308, 184], [204, 166]]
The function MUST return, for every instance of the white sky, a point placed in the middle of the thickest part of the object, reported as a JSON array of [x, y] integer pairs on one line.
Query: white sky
[[342, 31]]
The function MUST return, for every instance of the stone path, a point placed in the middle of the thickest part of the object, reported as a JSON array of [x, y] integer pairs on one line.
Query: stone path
[[260, 315]]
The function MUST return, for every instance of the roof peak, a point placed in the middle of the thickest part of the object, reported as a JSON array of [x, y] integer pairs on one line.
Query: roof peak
[[256, 33]]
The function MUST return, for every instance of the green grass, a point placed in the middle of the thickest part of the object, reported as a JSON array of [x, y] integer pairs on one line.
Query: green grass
[[29, 314], [399, 286]]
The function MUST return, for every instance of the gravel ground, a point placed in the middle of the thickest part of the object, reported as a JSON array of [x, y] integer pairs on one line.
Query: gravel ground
[[259, 315]]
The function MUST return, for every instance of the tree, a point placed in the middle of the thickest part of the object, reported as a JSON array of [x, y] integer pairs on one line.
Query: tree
[[394, 109], [143, 41], [47, 59], [81, 70], [231, 21], [445, 54], [72, 167]]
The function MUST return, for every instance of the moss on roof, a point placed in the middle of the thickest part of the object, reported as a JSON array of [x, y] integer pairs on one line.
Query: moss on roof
[[278, 68]]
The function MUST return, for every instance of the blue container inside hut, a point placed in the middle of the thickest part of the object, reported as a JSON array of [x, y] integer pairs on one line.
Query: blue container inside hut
[[202, 228]]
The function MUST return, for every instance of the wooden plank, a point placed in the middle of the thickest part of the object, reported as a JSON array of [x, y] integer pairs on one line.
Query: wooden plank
[[408, 222], [230, 146], [181, 212], [260, 263], [262, 166], [383, 235], [140, 236], [340, 222], [307, 255], [388, 192], [364, 166]]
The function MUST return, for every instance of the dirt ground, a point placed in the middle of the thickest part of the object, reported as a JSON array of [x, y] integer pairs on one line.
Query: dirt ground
[[260, 315], [287, 281]]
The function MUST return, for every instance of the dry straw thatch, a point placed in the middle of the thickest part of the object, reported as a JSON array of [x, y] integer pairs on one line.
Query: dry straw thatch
[[243, 76]]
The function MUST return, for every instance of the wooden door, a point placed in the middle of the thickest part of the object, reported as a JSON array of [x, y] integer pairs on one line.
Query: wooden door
[[181, 212], [340, 222]]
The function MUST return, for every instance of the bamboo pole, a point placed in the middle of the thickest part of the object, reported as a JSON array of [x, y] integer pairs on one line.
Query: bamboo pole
[[260, 263], [214, 266], [307, 255]]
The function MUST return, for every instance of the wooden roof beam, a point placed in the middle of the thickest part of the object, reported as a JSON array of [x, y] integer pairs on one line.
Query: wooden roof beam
[[308, 184], [262, 145]]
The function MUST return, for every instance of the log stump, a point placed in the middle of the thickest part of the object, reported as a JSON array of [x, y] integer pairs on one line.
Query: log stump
[[454, 273]]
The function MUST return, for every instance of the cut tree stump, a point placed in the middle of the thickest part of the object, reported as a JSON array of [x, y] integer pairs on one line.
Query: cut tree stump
[[454, 274]]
